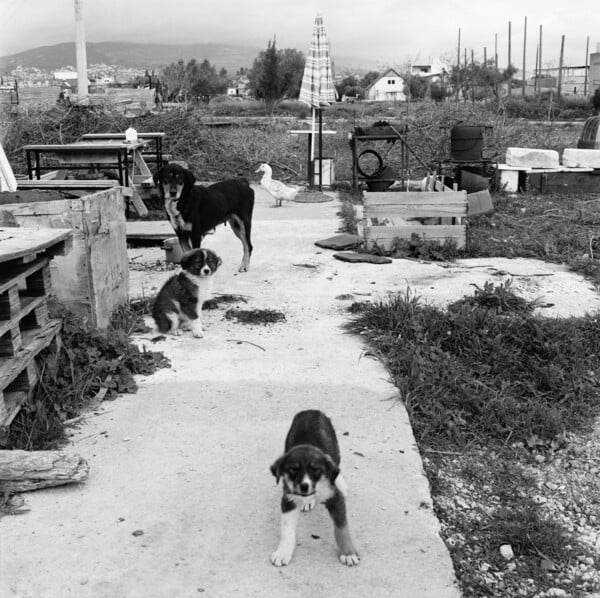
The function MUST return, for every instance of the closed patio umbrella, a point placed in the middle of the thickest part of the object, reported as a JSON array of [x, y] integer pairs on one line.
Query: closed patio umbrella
[[317, 88]]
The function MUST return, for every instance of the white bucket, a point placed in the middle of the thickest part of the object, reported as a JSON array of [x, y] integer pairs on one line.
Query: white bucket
[[328, 176], [173, 251]]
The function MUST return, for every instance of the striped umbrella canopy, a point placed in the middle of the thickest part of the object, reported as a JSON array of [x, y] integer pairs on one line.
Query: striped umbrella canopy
[[317, 82], [317, 90]]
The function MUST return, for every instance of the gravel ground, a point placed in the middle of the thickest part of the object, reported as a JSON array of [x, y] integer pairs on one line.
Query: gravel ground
[[474, 490]]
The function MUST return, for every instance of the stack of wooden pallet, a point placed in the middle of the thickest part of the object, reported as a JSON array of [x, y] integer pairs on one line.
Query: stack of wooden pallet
[[25, 326]]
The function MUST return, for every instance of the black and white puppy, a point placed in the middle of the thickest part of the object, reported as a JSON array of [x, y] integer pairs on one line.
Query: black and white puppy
[[178, 305], [310, 469], [194, 210]]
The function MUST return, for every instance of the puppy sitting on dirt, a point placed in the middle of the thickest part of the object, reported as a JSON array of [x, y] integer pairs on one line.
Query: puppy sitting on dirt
[[310, 472], [178, 305]]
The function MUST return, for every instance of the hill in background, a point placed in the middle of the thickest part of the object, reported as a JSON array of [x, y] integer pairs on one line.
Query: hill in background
[[154, 56]]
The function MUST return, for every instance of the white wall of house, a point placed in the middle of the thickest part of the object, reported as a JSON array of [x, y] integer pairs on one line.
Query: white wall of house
[[389, 88]]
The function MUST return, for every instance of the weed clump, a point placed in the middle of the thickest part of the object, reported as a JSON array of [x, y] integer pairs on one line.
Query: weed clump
[[481, 373], [89, 363]]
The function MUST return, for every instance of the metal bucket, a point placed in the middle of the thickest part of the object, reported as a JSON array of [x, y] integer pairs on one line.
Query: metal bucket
[[173, 251]]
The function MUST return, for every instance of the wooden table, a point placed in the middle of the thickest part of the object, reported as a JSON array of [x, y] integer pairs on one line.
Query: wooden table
[[123, 156], [154, 137]]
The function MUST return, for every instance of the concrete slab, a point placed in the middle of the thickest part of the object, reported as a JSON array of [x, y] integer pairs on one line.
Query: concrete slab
[[186, 459]]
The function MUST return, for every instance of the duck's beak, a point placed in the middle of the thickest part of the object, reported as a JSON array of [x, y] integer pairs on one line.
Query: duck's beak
[[259, 169]]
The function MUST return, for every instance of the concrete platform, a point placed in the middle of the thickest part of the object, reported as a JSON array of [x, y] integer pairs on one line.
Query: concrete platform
[[180, 500]]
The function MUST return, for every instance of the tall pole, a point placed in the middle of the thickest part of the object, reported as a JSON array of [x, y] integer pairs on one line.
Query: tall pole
[[80, 53], [524, 55], [484, 56], [587, 57], [540, 62], [509, 58], [496, 50], [560, 65], [536, 71], [458, 67]]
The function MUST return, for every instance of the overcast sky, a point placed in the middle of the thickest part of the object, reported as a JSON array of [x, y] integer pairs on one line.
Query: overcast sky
[[394, 32]]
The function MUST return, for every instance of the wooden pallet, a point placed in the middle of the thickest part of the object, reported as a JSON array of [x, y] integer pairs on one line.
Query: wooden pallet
[[433, 216], [25, 326]]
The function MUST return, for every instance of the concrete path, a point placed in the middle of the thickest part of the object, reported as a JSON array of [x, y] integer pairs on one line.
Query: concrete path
[[180, 501]]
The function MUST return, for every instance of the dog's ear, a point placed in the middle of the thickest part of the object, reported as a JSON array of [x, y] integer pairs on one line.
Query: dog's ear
[[190, 178], [156, 177], [277, 468], [332, 469], [185, 260]]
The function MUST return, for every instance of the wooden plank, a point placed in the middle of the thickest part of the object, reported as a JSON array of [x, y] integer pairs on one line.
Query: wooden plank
[[384, 236], [411, 211], [16, 243], [18, 275], [410, 197], [67, 184], [33, 342]]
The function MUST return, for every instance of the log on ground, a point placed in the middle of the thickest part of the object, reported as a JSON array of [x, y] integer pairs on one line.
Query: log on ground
[[21, 471]]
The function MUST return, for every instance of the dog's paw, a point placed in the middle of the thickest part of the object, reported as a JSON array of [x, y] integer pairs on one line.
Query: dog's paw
[[177, 332], [308, 505], [350, 560], [198, 333], [280, 557]]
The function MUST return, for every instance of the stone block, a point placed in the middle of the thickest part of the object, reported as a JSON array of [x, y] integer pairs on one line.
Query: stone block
[[532, 158], [581, 158]]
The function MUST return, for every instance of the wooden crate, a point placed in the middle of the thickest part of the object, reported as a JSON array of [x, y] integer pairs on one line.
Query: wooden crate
[[93, 278], [25, 326], [433, 216]]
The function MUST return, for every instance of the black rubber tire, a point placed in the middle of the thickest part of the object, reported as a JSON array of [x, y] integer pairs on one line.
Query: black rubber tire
[[371, 152]]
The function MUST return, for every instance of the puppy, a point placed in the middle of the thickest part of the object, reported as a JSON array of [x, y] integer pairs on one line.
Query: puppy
[[194, 210], [178, 305], [310, 471]]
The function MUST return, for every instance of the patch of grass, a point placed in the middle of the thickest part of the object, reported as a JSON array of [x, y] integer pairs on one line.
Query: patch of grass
[[88, 361], [473, 374], [255, 316], [563, 229], [418, 248], [499, 298]]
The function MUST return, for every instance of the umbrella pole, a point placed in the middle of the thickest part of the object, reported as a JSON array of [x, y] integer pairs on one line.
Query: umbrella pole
[[320, 149], [311, 170]]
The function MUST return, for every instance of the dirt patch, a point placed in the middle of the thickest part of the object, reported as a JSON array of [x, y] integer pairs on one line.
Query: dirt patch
[[255, 316]]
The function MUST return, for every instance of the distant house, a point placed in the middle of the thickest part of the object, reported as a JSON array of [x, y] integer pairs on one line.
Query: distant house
[[388, 88], [240, 88]]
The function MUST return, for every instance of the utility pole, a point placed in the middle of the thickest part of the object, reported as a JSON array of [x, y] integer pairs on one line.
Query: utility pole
[[540, 62], [509, 58], [587, 58], [458, 67], [560, 65], [524, 53], [496, 50], [80, 53]]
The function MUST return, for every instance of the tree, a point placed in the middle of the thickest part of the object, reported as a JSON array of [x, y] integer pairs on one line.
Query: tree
[[369, 79], [479, 81], [415, 87], [198, 81], [276, 74], [348, 86]]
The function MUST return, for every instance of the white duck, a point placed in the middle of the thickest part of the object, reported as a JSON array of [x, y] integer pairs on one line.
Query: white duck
[[277, 189]]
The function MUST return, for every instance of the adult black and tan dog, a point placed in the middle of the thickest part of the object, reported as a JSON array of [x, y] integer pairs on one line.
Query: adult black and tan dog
[[194, 210], [310, 469]]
